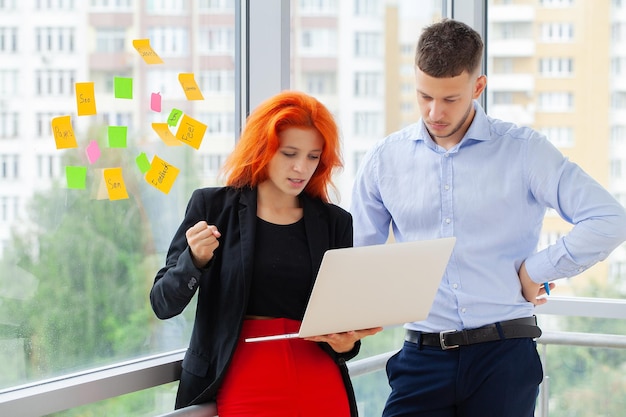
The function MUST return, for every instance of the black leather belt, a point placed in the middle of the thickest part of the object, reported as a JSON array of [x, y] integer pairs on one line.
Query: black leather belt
[[450, 339]]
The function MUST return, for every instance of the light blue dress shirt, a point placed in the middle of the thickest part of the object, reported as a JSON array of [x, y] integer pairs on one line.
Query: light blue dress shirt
[[491, 192]]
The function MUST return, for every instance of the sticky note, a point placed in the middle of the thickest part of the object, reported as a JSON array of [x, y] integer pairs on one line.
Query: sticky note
[[142, 163], [155, 102], [161, 175], [191, 89], [63, 132], [115, 183], [191, 132], [165, 134], [172, 119], [117, 136], [76, 177], [93, 151], [146, 52], [85, 99], [123, 87]]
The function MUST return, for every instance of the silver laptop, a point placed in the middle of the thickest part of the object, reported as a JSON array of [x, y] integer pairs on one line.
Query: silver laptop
[[373, 286]]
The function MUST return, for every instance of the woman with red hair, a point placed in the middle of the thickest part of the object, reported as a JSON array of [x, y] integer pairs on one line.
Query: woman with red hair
[[252, 250]]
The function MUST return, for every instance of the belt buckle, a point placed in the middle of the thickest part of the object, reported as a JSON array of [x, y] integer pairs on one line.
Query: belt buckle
[[442, 340]]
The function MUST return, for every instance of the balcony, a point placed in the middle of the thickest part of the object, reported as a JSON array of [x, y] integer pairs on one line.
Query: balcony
[[95, 385]]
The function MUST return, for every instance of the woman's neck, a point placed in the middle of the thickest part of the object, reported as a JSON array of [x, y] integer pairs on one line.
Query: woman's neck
[[277, 207]]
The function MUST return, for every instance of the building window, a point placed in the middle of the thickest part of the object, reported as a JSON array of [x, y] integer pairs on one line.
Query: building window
[[211, 164], [318, 42], [9, 167], [561, 137], [557, 32], [556, 102], [8, 82], [48, 166], [9, 122], [110, 40], [54, 82], [217, 81], [216, 5], [370, 8], [368, 124], [320, 82], [219, 123], [216, 40], [556, 67], [318, 7], [367, 45], [169, 41], [367, 84], [167, 7], [8, 39], [55, 39]]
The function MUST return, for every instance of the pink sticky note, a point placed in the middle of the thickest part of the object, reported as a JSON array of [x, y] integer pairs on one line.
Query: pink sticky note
[[93, 151], [155, 102]]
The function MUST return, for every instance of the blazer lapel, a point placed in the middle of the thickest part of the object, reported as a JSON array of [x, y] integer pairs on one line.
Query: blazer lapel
[[316, 227], [247, 230]]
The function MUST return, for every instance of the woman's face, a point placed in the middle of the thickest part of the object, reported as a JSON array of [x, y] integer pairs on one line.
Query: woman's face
[[296, 159]]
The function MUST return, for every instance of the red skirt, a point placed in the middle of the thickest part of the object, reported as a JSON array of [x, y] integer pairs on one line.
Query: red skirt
[[281, 378]]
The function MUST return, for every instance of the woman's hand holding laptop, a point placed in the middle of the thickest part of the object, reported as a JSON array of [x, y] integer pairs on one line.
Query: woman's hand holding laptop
[[344, 342]]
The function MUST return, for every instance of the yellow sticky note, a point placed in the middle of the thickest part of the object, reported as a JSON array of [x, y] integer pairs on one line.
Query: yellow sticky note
[[85, 99], [63, 132], [115, 183], [191, 89], [161, 175], [165, 134], [191, 132], [147, 53]]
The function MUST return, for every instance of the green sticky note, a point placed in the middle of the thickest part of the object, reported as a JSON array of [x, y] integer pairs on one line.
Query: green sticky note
[[117, 136], [172, 119], [143, 163], [76, 177], [123, 87]]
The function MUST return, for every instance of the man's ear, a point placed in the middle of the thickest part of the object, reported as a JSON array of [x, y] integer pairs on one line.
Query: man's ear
[[479, 85]]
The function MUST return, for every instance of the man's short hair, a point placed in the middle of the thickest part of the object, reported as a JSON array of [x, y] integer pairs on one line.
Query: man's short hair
[[447, 48]]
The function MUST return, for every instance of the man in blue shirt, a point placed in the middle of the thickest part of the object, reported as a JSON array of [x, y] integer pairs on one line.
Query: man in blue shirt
[[458, 172]]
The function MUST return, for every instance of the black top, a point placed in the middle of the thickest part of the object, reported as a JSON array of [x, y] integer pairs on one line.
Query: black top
[[281, 277]]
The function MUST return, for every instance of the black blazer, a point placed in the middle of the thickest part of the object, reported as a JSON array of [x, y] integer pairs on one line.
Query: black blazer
[[224, 284]]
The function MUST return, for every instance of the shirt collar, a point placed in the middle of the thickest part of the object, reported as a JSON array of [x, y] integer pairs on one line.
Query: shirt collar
[[479, 130]]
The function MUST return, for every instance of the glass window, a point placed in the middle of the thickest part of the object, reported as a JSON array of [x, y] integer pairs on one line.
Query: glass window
[[78, 261]]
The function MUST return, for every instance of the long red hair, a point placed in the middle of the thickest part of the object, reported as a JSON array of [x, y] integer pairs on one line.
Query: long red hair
[[247, 164]]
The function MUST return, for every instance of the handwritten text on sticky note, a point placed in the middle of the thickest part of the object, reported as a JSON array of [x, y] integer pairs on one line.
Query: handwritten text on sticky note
[[115, 184], [146, 52], [85, 99], [191, 89], [161, 175], [191, 132], [63, 132]]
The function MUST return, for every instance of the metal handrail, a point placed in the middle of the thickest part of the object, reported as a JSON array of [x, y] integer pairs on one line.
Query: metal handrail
[[69, 391]]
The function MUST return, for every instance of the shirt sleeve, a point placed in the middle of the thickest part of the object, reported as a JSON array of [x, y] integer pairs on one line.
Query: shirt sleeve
[[370, 216], [598, 219]]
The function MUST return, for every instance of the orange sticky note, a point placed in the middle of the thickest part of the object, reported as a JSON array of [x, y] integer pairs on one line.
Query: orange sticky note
[[161, 175], [191, 132], [63, 132], [191, 89], [115, 183], [165, 134], [85, 99], [147, 53]]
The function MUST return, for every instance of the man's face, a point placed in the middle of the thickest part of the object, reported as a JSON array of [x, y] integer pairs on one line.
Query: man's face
[[446, 104]]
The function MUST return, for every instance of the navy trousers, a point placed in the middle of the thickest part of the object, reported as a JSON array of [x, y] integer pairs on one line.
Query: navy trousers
[[493, 379]]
